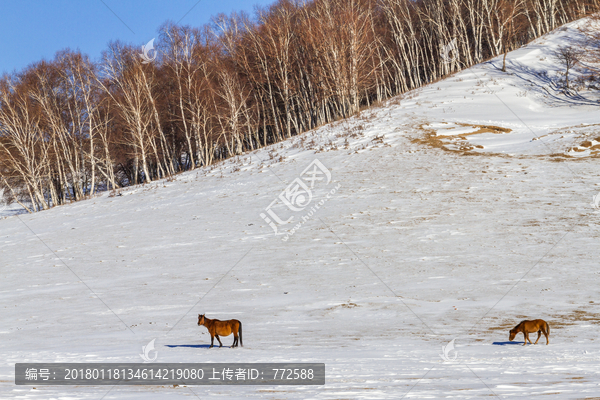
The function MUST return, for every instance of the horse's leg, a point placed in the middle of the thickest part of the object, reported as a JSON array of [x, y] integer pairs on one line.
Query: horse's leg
[[529, 340], [525, 338], [220, 344], [539, 334], [212, 340], [545, 331], [235, 339]]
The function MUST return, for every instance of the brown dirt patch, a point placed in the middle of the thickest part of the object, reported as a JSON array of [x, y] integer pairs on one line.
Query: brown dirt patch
[[432, 139]]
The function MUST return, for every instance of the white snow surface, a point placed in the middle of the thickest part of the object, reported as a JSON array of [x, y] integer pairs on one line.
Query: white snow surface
[[416, 247]]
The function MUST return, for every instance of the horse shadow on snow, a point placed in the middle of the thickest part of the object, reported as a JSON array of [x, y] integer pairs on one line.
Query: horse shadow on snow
[[505, 343], [193, 346]]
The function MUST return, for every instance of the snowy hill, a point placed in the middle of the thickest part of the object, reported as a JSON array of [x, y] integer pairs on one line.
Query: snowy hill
[[397, 247], [536, 115]]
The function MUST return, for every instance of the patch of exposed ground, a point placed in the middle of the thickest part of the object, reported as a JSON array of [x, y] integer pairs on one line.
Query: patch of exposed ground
[[453, 136]]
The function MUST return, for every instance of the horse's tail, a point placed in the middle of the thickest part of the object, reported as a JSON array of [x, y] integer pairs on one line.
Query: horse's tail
[[547, 328], [240, 332]]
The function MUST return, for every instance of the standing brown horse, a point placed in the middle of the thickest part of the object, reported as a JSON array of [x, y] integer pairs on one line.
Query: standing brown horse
[[223, 328], [526, 327]]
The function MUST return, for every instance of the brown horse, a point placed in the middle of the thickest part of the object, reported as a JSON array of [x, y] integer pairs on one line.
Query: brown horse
[[526, 327], [223, 328]]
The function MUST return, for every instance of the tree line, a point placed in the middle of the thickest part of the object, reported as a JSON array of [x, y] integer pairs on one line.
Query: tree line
[[70, 126]]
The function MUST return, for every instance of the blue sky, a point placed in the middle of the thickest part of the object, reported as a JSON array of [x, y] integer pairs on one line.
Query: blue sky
[[31, 30]]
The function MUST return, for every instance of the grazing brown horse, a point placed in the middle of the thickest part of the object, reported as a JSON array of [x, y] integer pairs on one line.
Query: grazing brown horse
[[526, 327], [223, 328]]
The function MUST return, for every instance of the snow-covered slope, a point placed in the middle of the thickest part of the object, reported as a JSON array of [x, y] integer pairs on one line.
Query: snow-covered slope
[[534, 112], [402, 248]]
